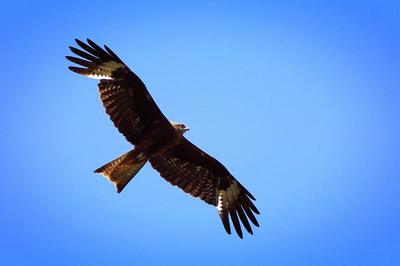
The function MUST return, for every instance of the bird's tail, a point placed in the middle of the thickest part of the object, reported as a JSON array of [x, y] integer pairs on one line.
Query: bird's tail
[[121, 170]]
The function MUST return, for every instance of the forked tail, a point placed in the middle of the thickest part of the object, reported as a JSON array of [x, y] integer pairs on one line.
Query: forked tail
[[121, 170]]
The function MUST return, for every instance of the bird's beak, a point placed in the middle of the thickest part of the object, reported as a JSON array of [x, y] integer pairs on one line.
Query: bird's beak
[[187, 128]]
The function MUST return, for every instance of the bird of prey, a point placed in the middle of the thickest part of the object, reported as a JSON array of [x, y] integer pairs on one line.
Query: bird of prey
[[158, 140]]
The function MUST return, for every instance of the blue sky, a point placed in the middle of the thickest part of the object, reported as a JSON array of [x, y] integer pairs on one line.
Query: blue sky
[[299, 99]]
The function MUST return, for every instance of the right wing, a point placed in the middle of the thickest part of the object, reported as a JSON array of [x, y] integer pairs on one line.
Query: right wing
[[124, 96], [200, 175]]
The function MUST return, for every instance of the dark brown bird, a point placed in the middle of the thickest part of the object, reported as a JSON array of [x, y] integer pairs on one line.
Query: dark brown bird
[[159, 141]]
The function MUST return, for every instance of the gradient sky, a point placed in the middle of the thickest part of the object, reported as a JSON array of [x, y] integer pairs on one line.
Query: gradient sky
[[299, 100]]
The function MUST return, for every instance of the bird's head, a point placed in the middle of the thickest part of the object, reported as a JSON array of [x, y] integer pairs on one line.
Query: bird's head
[[179, 127]]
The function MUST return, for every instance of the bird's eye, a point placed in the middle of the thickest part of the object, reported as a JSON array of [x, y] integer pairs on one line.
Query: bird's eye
[[182, 126]]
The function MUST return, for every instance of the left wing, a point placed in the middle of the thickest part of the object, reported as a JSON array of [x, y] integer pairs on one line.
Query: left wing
[[124, 95], [199, 174]]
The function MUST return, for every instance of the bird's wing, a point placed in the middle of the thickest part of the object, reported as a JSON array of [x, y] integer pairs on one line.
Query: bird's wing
[[199, 174], [124, 96]]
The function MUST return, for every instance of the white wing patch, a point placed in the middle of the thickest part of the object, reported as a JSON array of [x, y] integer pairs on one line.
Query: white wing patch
[[228, 196], [104, 71], [98, 76]]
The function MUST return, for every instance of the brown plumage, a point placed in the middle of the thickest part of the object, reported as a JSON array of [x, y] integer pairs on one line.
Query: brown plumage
[[155, 139]]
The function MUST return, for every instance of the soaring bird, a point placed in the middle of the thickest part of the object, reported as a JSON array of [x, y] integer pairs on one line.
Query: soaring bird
[[159, 141]]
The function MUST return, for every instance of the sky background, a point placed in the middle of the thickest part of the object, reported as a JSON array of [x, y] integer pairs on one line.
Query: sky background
[[298, 99]]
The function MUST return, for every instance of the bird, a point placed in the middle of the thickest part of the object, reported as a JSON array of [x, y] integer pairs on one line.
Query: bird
[[159, 141]]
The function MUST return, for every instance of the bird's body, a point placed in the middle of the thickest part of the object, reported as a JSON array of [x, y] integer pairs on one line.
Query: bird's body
[[159, 141]]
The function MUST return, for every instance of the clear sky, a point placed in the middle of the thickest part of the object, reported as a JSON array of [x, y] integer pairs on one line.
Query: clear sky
[[298, 99]]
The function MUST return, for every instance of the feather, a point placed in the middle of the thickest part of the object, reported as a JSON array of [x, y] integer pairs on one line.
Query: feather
[[81, 62], [235, 222], [225, 222], [243, 218], [85, 55]]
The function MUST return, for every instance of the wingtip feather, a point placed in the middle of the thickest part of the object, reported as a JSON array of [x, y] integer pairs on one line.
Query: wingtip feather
[[225, 221], [236, 223], [78, 70], [243, 218], [79, 42]]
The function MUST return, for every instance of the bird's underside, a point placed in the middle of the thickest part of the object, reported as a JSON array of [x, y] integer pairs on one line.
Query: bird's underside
[[159, 141]]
